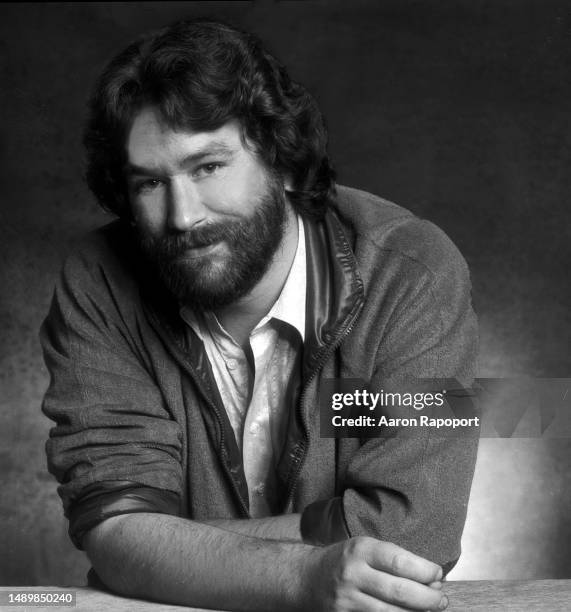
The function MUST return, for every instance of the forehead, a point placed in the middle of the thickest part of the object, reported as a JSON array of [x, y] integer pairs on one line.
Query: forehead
[[151, 142]]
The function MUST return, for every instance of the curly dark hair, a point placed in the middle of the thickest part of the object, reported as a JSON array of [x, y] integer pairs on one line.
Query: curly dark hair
[[199, 75]]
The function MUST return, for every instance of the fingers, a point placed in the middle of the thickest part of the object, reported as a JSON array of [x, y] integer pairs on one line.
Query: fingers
[[388, 557], [401, 591], [393, 578]]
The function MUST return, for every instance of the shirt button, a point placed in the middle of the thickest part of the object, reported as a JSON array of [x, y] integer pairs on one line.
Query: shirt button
[[232, 364], [254, 428]]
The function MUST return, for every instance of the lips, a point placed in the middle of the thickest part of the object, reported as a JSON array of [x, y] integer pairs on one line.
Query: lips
[[199, 251]]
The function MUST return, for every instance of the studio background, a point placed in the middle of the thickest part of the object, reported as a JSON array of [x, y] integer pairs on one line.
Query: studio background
[[458, 110]]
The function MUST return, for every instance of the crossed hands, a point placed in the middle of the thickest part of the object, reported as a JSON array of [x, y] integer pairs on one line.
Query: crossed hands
[[367, 575]]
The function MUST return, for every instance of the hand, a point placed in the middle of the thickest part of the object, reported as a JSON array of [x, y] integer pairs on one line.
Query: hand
[[367, 575]]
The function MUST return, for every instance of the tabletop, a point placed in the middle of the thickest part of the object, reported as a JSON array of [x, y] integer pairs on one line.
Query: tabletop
[[465, 596]]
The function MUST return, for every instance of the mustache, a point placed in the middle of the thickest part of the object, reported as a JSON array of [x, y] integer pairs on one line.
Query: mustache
[[176, 244]]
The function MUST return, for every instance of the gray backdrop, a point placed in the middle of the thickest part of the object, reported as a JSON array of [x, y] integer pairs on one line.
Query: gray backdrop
[[458, 110]]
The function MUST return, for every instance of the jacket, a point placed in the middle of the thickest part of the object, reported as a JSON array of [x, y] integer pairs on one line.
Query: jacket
[[140, 425]]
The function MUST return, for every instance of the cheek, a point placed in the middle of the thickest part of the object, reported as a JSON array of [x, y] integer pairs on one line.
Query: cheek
[[224, 197], [237, 193]]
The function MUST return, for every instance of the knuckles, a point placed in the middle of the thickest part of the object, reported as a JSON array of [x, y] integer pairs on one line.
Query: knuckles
[[398, 564], [353, 559], [397, 592], [359, 546], [347, 572]]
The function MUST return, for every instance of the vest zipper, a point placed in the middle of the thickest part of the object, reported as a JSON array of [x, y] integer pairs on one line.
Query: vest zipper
[[301, 449]]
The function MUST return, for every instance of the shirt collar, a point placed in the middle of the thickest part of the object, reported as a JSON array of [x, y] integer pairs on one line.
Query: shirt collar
[[290, 305]]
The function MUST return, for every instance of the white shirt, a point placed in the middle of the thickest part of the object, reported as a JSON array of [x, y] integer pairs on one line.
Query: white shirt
[[256, 392]]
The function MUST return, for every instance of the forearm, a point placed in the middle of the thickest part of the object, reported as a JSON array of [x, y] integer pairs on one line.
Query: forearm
[[284, 527], [174, 560]]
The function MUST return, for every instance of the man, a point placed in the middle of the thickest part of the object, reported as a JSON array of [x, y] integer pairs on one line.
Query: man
[[188, 343]]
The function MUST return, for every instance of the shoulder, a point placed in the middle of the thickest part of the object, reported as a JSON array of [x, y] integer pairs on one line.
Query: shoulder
[[102, 268], [106, 251], [417, 317], [382, 231]]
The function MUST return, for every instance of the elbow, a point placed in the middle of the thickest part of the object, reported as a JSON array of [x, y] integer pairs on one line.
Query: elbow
[[107, 550]]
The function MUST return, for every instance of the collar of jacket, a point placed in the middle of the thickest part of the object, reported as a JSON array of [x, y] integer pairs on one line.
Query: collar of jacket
[[334, 288], [334, 299]]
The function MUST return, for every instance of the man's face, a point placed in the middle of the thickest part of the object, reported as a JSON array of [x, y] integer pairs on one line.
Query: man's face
[[209, 215]]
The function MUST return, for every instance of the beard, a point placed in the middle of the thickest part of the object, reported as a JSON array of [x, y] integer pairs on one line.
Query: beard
[[210, 282]]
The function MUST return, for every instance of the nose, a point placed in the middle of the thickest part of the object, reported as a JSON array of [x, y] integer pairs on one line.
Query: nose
[[185, 207]]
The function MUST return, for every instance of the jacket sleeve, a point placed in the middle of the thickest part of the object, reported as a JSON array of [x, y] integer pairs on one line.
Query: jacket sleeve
[[115, 448], [412, 488]]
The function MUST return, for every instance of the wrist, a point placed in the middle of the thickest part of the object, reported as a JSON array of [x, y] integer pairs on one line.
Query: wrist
[[305, 579]]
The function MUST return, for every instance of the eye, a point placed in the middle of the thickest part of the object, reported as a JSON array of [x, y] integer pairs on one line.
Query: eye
[[147, 185], [209, 169]]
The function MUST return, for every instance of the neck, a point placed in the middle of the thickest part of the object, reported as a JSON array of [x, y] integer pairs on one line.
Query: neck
[[240, 318]]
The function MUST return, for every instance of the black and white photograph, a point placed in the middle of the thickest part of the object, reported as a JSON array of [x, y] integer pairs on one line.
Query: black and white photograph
[[285, 305]]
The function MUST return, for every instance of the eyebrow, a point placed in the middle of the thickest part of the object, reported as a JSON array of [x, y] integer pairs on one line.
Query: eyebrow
[[210, 149]]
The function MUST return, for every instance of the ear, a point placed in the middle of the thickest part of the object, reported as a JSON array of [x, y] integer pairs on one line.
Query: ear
[[288, 182]]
